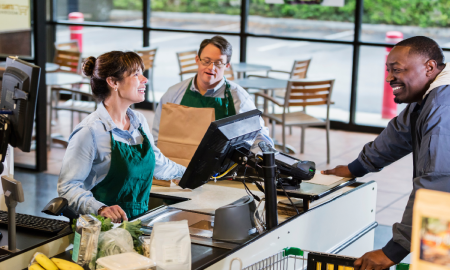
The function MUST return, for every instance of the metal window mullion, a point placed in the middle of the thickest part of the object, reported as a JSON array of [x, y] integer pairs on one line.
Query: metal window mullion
[[355, 64], [243, 34]]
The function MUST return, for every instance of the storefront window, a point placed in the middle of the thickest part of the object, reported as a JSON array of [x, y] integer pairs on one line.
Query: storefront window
[[126, 12], [98, 40], [215, 15], [411, 18], [328, 61], [307, 21]]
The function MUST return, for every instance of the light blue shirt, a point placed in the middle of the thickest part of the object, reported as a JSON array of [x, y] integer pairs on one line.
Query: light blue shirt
[[242, 103], [88, 157]]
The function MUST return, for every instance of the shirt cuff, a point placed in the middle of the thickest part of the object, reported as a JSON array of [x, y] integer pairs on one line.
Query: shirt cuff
[[357, 169], [95, 206], [395, 252]]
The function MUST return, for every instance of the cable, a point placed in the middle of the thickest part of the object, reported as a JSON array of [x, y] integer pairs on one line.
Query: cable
[[227, 171], [289, 198]]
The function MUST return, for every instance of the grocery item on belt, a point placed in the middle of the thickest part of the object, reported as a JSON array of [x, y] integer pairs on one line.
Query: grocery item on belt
[[170, 245], [86, 240]]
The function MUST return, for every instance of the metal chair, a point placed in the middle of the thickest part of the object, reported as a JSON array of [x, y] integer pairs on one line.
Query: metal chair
[[148, 56], [186, 62], [301, 93], [81, 102]]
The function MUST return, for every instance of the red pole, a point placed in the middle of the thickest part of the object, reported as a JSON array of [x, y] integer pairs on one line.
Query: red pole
[[389, 109], [76, 32]]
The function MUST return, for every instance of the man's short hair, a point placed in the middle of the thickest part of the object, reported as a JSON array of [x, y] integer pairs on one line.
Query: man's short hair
[[222, 44], [424, 46]]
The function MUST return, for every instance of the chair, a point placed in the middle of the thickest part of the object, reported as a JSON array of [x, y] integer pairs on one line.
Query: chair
[[298, 71], [148, 56], [301, 93], [229, 74], [186, 62], [81, 102], [68, 61], [71, 45]]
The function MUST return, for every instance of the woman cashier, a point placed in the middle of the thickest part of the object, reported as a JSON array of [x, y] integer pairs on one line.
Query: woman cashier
[[111, 157]]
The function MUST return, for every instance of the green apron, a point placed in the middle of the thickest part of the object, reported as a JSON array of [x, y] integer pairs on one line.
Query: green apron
[[129, 178], [223, 107]]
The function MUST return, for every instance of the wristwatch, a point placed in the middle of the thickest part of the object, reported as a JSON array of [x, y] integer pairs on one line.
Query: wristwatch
[[101, 208]]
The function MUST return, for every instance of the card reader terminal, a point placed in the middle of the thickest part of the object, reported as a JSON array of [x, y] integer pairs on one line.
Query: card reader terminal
[[298, 169]]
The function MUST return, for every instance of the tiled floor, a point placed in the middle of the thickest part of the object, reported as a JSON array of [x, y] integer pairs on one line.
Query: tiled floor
[[394, 182]]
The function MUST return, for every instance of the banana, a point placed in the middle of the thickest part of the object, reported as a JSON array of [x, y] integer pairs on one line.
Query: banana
[[35, 266], [45, 262], [66, 265]]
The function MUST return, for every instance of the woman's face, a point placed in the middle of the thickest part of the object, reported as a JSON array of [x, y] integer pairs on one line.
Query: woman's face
[[132, 87]]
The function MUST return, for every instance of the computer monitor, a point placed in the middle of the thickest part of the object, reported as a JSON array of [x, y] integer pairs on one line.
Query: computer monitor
[[18, 104], [221, 141]]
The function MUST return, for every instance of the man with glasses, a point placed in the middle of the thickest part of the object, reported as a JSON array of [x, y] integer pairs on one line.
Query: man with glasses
[[209, 88]]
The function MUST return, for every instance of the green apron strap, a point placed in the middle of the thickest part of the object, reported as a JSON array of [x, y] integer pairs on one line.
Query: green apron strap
[[223, 107]]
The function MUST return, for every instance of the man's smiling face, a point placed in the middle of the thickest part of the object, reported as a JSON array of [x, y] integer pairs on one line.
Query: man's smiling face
[[407, 75]]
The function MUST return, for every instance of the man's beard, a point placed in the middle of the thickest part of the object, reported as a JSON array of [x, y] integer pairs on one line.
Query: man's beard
[[397, 100]]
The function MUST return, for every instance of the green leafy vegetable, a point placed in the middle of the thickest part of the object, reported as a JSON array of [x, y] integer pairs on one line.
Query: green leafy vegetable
[[134, 228]]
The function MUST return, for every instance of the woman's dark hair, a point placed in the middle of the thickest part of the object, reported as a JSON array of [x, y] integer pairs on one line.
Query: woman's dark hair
[[114, 64]]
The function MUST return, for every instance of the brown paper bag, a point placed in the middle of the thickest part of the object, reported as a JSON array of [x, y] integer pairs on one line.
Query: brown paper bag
[[430, 245], [181, 130]]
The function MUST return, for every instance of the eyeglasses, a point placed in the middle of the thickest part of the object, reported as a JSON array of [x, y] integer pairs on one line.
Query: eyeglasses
[[207, 62]]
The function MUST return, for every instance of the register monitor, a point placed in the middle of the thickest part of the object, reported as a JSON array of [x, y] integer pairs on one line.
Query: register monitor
[[223, 137], [18, 101]]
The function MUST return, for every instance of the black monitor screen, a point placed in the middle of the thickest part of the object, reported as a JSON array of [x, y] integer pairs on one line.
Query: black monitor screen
[[214, 152], [19, 92]]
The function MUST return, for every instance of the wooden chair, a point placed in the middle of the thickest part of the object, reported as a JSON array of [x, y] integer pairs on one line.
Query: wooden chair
[[81, 102], [68, 61], [71, 45], [298, 71], [229, 74], [186, 62], [301, 93], [148, 56]]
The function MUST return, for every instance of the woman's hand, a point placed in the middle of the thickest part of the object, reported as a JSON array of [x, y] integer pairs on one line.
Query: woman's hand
[[115, 213], [340, 170]]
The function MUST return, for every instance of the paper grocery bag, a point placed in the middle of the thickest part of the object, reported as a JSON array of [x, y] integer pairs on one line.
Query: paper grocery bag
[[181, 130]]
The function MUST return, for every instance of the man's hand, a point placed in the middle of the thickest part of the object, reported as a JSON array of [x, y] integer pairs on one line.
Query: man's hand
[[340, 170], [375, 260], [115, 213]]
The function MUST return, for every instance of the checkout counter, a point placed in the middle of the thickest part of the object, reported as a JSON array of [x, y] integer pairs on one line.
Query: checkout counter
[[337, 217], [341, 222]]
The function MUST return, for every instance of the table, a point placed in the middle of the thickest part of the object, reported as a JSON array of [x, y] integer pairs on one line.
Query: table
[[242, 67], [261, 83], [48, 66], [57, 79]]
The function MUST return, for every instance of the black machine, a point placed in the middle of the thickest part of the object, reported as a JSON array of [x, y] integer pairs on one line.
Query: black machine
[[226, 145], [41, 224], [17, 108], [18, 105], [228, 141]]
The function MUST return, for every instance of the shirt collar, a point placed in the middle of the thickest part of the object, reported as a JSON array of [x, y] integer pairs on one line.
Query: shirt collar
[[109, 123], [218, 86]]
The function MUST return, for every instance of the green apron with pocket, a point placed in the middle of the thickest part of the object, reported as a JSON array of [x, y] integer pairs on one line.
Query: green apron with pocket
[[223, 107], [129, 178]]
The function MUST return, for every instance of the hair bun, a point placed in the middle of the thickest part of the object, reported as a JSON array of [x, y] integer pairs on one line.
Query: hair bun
[[89, 65]]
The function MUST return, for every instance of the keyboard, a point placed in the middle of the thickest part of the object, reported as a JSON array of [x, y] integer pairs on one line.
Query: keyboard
[[35, 223]]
